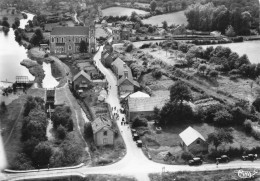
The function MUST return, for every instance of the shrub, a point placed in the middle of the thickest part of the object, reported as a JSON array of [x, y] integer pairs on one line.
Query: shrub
[[223, 118], [157, 73], [138, 122], [248, 126], [186, 156], [129, 48], [42, 153], [88, 132], [61, 132]]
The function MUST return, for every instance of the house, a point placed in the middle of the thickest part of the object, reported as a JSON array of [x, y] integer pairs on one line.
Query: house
[[116, 34], [193, 141], [81, 80], [144, 106], [125, 81], [66, 40], [102, 131], [179, 30], [107, 58], [125, 33], [215, 33], [104, 23]]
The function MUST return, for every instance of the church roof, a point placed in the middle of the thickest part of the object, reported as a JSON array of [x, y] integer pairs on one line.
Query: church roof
[[77, 30]]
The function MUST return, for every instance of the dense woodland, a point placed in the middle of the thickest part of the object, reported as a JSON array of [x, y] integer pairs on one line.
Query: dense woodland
[[209, 17]]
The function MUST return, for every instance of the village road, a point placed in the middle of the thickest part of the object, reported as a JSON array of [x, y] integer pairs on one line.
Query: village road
[[134, 163]]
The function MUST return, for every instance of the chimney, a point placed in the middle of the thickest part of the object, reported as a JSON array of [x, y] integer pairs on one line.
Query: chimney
[[126, 73]]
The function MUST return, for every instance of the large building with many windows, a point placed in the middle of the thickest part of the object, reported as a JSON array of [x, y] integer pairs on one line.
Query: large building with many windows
[[66, 40]]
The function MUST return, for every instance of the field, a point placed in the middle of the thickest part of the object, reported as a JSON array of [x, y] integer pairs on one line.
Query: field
[[171, 18], [220, 175], [250, 48], [120, 11], [11, 17]]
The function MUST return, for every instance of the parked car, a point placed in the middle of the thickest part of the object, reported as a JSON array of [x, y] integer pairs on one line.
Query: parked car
[[135, 137], [139, 143], [250, 157], [223, 159], [195, 161], [133, 131]]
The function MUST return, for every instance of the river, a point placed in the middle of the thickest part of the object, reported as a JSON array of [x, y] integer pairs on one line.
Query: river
[[250, 48], [11, 54]]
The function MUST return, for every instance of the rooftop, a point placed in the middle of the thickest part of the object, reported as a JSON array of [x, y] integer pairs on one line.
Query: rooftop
[[83, 73], [189, 135], [77, 30], [100, 123], [140, 104]]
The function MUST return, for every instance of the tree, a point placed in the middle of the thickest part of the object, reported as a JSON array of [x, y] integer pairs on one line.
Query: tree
[[42, 153], [180, 92], [61, 131], [61, 116], [3, 107], [156, 73], [256, 104], [186, 156], [29, 145], [150, 29], [202, 68], [31, 103], [129, 48], [230, 31], [165, 25], [153, 5], [37, 37], [213, 74], [83, 46], [138, 122], [21, 162], [220, 136], [88, 131], [223, 118], [5, 22]]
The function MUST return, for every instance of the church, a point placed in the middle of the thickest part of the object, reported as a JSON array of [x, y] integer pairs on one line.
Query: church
[[66, 40]]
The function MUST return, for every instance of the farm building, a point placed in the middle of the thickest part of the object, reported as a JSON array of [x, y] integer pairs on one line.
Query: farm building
[[144, 106], [102, 131], [193, 141]]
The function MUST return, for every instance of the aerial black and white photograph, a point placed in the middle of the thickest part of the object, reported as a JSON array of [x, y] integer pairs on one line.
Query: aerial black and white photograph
[[129, 90]]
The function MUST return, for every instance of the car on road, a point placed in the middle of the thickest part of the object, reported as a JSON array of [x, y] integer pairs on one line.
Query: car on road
[[223, 159], [250, 157], [195, 161], [135, 137], [133, 131], [139, 143]]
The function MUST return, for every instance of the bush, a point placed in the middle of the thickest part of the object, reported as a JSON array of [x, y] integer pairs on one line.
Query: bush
[[138, 122], [223, 118], [248, 126], [129, 48], [88, 132], [157, 73], [186, 156], [61, 132], [42, 153]]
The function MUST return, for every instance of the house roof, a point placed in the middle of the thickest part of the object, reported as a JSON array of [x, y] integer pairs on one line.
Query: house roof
[[101, 122], [146, 103], [77, 30], [83, 73], [139, 94], [189, 135]]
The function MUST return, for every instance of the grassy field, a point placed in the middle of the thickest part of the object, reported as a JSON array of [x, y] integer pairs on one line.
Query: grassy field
[[220, 175], [171, 18], [121, 11], [11, 17]]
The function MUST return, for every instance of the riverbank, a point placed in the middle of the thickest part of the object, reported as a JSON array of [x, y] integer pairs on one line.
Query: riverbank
[[58, 69]]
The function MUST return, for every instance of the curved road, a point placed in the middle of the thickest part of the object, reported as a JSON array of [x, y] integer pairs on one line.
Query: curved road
[[135, 163]]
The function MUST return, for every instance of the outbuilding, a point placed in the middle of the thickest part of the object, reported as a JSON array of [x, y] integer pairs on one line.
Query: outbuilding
[[193, 141]]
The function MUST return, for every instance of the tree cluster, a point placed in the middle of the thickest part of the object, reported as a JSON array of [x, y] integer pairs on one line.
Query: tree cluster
[[207, 17]]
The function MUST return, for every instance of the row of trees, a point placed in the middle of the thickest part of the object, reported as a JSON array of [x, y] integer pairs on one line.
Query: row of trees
[[207, 17]]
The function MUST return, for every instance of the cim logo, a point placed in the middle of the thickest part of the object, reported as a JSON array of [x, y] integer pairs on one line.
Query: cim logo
[[246, 174]]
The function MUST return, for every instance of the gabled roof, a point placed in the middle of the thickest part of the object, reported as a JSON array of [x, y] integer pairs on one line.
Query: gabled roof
[[83, 73], [189, 135], [146, 103], [100, 123], [139, 94], [77, 30]]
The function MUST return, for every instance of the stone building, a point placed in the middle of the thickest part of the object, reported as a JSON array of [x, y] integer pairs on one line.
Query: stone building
[[66, 40], [102, 131]]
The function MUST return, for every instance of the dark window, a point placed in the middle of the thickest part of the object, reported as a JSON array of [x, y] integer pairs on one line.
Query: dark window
[[105, 133], [198, 142]]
